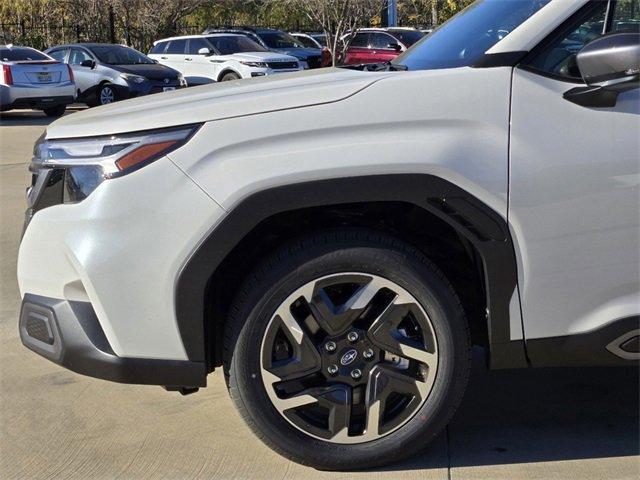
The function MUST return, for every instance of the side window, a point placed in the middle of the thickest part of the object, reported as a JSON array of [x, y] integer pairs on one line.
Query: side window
[[158, 47], [78, 56], [59, 55], [361, 40], [176, 47], [381, 40], [196, 44], [558, 57]]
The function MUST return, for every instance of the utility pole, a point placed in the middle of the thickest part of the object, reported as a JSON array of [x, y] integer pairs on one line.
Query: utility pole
[[392, 13]]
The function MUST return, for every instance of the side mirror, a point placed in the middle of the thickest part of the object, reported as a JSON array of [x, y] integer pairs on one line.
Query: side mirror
[[204, 51], [395, 46], [88, 63], [609, 65]]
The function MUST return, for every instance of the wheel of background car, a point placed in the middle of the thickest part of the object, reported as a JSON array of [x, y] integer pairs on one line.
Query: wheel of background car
[[56, 111], [347, 350], [106, 94], [230, 76]]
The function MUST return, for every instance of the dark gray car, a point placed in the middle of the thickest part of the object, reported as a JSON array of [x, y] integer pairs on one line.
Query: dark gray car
[[105, 72]]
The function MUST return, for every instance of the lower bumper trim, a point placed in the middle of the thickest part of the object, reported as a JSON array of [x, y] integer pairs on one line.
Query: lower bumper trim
[[75, 340]]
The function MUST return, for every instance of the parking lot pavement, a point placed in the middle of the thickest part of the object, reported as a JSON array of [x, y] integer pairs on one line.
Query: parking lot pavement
[[547, 424]]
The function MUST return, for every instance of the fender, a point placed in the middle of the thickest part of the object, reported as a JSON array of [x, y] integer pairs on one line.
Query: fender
[[483, 227]]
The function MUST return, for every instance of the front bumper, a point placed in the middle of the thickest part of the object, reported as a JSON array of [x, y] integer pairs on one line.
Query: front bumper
[[133, 90], [120, 250], [68, 333]]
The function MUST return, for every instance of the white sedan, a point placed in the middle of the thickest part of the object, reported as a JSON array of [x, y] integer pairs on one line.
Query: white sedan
[[220, 57]]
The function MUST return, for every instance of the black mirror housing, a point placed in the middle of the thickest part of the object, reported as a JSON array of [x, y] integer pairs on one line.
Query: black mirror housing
[[609, 65], [395, 46], [88, 63]]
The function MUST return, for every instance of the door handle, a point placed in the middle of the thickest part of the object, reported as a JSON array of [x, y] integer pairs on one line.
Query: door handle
[[164, 58], [188, 59]]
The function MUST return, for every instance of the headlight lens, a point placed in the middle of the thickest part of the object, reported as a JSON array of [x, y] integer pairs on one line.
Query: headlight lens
[[90, 161], [115, 154], [255, 64], [133, 78]]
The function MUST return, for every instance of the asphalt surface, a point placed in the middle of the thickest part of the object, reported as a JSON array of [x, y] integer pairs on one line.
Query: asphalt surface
[[525, 424]]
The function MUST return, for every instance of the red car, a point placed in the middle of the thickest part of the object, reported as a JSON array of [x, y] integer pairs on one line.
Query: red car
[[375, 45]]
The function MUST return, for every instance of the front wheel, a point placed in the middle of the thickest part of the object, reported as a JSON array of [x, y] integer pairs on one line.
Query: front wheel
[[106, 94], [230, 76], [347, 350]]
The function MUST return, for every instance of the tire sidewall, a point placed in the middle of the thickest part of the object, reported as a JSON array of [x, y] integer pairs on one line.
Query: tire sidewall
[[425, 284]]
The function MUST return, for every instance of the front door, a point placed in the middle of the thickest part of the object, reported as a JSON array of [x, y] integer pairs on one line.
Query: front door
[[574, 197], [84, 76]]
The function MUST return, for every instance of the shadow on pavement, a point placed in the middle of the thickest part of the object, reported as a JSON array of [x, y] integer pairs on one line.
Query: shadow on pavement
[[542, 415], [20, 118]]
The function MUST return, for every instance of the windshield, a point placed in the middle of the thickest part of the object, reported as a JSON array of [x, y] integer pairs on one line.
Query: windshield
[[235, 44], [120, 55], [280, 40], [21, 54], [466, 37]]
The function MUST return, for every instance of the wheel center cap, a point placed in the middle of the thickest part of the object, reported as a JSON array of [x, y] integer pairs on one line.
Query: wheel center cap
[[349, 357]]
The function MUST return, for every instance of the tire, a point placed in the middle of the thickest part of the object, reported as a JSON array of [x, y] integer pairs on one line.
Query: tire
[[106, 94], [56, 111], [337, 264], [230, 76]]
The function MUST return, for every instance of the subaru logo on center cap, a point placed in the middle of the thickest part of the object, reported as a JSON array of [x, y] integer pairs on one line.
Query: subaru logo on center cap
[[349, 357]]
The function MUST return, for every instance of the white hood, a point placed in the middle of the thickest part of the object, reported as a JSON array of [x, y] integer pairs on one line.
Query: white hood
[[216, 102]]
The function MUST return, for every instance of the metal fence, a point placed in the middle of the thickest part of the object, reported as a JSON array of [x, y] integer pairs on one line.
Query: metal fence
[[45, 36]]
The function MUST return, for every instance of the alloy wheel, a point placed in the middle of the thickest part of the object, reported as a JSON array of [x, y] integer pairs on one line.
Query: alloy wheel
[[349, 358], [107, 95]]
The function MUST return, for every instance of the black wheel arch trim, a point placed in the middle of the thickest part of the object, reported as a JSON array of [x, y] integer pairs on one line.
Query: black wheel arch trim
[[482, 226]]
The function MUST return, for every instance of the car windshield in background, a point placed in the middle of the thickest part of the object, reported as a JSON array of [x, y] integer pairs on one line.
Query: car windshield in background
[[408, 37], [320, 38], [21, 54], [280, 40], [235, 44], [466, 37], [119, 55]]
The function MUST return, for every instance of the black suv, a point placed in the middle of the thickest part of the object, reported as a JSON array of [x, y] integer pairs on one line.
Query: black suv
[[277, 41]]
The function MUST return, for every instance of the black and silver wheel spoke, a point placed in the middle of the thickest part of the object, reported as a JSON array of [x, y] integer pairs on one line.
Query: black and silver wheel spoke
[[349, 357], [386, 333]]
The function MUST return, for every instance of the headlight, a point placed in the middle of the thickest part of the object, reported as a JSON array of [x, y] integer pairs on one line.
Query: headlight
[[89, 161], [133, 78], [256, 64]]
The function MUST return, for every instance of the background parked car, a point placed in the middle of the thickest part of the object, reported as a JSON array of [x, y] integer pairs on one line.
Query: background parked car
[[374, 45], [105, 72], [220, 57], [276, 41], [311, 40], [31, 79]]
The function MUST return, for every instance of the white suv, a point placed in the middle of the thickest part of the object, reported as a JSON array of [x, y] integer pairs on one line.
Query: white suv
[[220, 57], [336, 240]]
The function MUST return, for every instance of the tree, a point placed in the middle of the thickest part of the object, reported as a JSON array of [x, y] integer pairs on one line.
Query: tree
[[339, 19]]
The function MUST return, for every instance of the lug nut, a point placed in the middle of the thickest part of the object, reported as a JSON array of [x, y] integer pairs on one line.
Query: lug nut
[[352, 337], [368, 354], [330, 346], [356, 374], [332, 369]]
